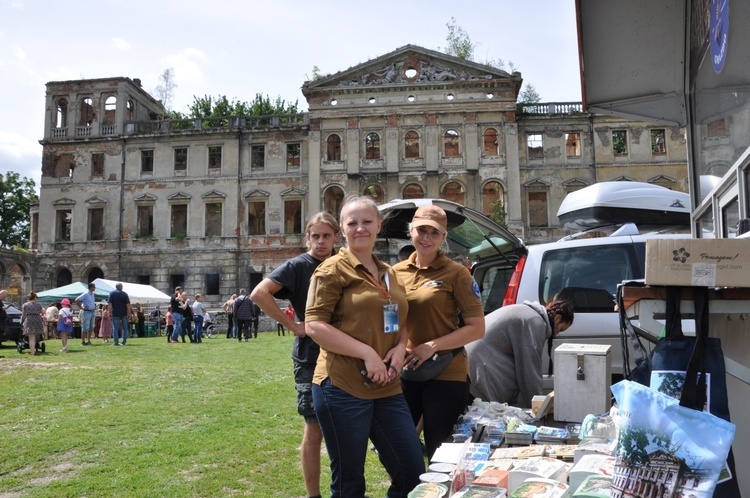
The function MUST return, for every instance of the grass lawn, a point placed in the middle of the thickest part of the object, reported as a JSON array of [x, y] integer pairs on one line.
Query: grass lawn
[[155, 419]]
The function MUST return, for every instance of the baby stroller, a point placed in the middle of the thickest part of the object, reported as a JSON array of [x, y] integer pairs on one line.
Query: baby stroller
[[23, 343]]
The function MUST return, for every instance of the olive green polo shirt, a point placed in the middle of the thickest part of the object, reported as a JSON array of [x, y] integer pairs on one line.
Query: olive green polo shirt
[[436, 295], [341, 294]]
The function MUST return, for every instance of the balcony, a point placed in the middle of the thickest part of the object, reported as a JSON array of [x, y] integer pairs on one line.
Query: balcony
[[214, 123], [549, 108]]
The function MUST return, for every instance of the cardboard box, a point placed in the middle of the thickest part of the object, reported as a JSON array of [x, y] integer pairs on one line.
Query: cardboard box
[[698, 262], [583, 374]]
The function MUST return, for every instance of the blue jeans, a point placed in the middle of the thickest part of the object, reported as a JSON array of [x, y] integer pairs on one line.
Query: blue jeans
[[177, 317], [347, 422], [198, 328], [120, 324]]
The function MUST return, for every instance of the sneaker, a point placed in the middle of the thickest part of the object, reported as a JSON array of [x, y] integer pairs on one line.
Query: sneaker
[[116, 344], [64, 350], [173, 342]]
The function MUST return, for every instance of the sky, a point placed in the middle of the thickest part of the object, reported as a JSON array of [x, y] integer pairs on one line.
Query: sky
[[239, 48]]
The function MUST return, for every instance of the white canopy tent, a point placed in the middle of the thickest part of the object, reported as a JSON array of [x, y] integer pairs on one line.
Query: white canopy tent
[[138, 293]]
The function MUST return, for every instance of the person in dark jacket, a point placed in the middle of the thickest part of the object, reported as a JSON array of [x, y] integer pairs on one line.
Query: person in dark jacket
[[243, 315]]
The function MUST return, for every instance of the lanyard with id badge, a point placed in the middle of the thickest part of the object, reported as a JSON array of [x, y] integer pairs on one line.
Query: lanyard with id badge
[[390, 310]]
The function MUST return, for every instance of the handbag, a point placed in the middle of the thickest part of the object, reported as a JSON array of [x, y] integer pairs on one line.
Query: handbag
[[666, 449], [690, 369], [431, 368]]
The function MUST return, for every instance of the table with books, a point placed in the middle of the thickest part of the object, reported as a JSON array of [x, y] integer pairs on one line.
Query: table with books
[[504, 452]]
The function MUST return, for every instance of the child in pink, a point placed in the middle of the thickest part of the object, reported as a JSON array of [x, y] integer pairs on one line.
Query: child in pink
[[169, 322]]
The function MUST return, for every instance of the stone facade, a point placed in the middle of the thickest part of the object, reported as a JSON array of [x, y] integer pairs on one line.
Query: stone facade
[[215, 204]]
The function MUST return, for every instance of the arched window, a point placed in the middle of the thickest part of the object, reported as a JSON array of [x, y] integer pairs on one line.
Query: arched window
[[87, 112], [64, 277], [61, 114], [129, 110], [453, 191], [413, 191], [411, 144], [333, 148], [110, 106], [450, 143], [333, 199], [493, 199], [376, 192], [491, 147], [94, 273], [372, 146]]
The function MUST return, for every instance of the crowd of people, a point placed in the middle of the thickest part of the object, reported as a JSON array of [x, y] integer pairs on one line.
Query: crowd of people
[[381, 354]]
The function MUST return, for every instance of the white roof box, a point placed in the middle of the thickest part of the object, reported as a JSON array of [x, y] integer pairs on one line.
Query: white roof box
[[609, 203]]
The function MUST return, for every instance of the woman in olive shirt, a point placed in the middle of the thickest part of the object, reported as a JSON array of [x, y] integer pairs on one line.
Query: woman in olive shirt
[[356, 392], [438, 289]]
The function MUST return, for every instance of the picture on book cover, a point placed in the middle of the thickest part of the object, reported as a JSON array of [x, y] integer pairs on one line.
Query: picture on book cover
[[670, 382]]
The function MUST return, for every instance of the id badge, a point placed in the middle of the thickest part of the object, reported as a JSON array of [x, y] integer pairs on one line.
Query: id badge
[[390, 318]]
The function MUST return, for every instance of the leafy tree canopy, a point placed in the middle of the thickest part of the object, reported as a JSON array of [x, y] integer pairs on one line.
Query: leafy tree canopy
[[207, 107], [16, 194]]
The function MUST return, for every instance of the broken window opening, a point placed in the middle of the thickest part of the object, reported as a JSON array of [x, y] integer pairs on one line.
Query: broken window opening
[[333, 199], [293, 216], [450, 143], [256, 218], [213, 219], [180, 158], [258, 157], [147, 161], [97, 165], [63, 225], [659, 141], [333, 148], [538, 215], [293, 152], [620, 142], [376, 192], [411, 145], [212, 284], [573, 145], [453, 191], [178, 225], [214, 157], [535, 146], [61, 114], [129, 110], [145, 221], [110, 109], [492, 198], [96, 224], [413, 191], [87, 112], [491, 146], [372, 146]]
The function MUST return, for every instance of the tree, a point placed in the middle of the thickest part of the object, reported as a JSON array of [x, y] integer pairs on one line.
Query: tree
[[459, 43], [207, 106], [498, 212], [529, 95], [16, 194], [165, 90]]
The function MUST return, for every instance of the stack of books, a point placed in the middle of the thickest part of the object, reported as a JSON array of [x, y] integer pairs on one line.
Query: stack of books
[[551, 435], [516, 452], [520, 435]]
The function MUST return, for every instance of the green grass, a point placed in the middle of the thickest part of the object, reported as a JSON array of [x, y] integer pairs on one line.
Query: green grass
[[155, 419]]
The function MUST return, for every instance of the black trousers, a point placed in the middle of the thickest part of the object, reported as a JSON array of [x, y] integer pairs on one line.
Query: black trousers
[[243, 328], [230, 325], [255, 327]]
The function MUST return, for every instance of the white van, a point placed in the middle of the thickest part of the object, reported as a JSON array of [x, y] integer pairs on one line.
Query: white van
[[508, 272]]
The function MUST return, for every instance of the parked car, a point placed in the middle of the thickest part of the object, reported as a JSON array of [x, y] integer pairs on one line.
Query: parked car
[[12, 330], [508, 272]]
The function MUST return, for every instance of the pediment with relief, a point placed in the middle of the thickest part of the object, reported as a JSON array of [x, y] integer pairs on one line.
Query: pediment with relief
[[410, 65]]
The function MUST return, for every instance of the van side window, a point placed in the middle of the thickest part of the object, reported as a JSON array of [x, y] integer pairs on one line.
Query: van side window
[[588, 276]]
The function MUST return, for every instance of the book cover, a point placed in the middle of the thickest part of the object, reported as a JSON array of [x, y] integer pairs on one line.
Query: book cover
[[480, 492], [429, 490], [492, 478], [594, 486], [537, 467], [541, 488], [564, 452], [599, 445], [533, 450], [496, 463], [592, 464]]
